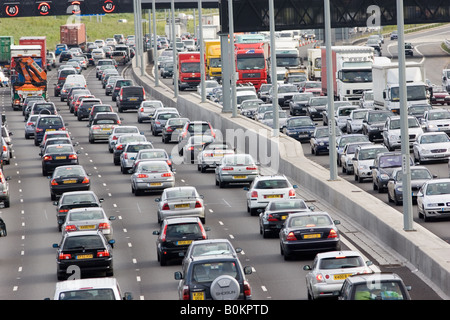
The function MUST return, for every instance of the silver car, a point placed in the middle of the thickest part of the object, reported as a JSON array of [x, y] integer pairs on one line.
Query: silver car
[[129, 153], [117, 132], [82, 219], [152, 176], [236, 168], [152, 154], [147, 110], [29, 126], [180, 201], [102, 125], [267, 119], [212, 154]]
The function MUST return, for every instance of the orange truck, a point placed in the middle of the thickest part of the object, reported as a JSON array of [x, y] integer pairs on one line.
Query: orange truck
[[188, 70]]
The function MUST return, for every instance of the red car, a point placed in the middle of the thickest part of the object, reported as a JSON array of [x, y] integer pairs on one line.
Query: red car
[[440, 96]]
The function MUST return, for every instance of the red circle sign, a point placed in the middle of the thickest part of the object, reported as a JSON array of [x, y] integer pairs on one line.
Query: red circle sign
[[12, 11], [108, 6], [44, 8]]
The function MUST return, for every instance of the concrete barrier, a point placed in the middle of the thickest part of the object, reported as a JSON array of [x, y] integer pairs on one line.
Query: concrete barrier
[[424, 250]]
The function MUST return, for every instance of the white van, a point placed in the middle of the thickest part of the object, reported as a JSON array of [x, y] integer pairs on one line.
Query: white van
[[76, 79]]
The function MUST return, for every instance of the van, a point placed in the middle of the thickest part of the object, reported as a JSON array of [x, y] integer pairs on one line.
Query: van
[[62, 75], [76, 78], [118, 85], [130, 97]]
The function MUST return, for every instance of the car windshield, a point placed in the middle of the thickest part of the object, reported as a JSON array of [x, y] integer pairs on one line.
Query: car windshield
[[300, 122], [318, 101], [68, 172], [316, 220], [391, 161], [434, 138], [286, 89], [151, 166], [208, 271], [341, 262], [359, 115], [344, 140], [370, 154], [438, 188], [300, 97], [395, 123], [272, 184], [59, 149], [249, 104], [416, 174], [78, 198], [287, 205], [441, 115], [86, 242], [378, 116], [85, 215], [378, 290]]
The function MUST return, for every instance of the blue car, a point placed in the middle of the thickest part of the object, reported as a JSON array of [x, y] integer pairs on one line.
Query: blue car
[[299, 128], [320, 140], [60, 48]]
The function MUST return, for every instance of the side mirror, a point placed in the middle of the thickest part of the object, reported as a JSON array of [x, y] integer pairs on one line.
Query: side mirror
[[155, 233], [178, 275], [336, 222], [306, 268], [112, 218], [55, 245], [246, 188], [248, 270]]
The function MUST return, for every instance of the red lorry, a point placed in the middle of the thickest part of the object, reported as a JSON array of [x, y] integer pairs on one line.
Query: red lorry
[[73, 35], [251, 63], [188, 70], [37, 40]]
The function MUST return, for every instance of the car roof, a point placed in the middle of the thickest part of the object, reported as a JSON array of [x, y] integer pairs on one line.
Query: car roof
[[177, 220], [78, 284], [368, 277], [342, 253], [83, 233], [275, 176]]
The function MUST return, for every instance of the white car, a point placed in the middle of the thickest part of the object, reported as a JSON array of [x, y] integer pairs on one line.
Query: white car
[[433, 199], [348, 154], [117, 132], [355, 120], [183, 201], [98, 54], [391, 132], [263, 189], [90, 289], [364, 158], [4, 80], [431, 146], [212, 154], [329, 271], [436, 120], [267, 119]]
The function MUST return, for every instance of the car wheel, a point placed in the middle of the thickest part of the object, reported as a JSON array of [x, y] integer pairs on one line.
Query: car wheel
[[52, 196], [6, 203], [396, 201], [222, 184], [162, 260]]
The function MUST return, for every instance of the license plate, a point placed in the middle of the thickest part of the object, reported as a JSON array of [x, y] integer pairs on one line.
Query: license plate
[[273, 196], [84, 256], [70, 181], [283, 217], [133, 99], [155, 184], [341, 276], [106, 129], [60, 157], [50, 130], [239, 177], [200, 295], [184, 205], [218, 155], [89, 227], [312, 236], [184, 242]]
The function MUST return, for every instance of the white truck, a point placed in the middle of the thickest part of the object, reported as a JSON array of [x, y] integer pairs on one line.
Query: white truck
[[386, 85], [287, 54], [314, 64], [352, 71]]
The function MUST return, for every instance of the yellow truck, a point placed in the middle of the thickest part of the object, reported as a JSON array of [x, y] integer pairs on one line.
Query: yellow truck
[[213, 59]]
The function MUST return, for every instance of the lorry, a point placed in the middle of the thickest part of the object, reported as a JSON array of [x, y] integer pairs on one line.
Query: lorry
[[28, 76], [251, 63], [73, 35], [188, 70], [386, 85], [5, 53], [213, 60], [209, 32], [352, 71], [38, 41], [314, 64]]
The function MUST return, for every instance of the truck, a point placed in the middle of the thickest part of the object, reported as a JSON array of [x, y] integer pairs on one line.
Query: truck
[[209, 32], [73, 35], [188, 70], [251, 63], [213, 59], [386, 85], [28, 77], [314, 64], [5, 53], [38, 41], [352, 71]]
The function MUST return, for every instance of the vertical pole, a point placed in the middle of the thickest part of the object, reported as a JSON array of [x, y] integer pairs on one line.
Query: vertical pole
[[140, 38], [175, 55], [273, 60], [231, 57], [202, 51], [226, 72], [155, 49], [136, 22]]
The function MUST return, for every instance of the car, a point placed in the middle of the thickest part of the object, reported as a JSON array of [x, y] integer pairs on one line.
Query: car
[[182, 201], [75, 64], [65, 56], [53, 141], [194, 146], [150, 176], [102, 126], [84, 109], [100, 63], [46, 123], [166, 69], [117, 131], [348, 154], [118, 85], [54, 134], [316, 105], [418, 110], [383, 167], [147, 109], [58, 155], [236, 168], [68, 178], [104, 67], [375, 286], [119, 56], [42, 108], [28, 100], [299, 103], [212, 154], [366, 100], [96, 108], [160, 117], [175, 236], [77, 99], [311, 86], [74, 91], [209, 86], [355, 121], [272, 217], [6, 153], [309, 232], [320, 139], [4, 189], [375, 44], [440, 96], [130, 97], [329, 270], [98, 54], [109, 87], [342, 140], [90, 289], [394, 35], [88, 250], [29, 126], [108, 73], [373, 124], [409, 49], [342, 111], [122, 141], [197, 127], [60, 48], [213, 277], [436, 120], [392, 132], [127, 157], [263, 92], [431, 146], [267, 119], [83, 219], [149, 155], [300, 128], [263, 189], [261, 109], [432, 199], [364, 158], [206, 247], [74, 199], [284, 94], [419, 175], [248, 107], [172, 128]]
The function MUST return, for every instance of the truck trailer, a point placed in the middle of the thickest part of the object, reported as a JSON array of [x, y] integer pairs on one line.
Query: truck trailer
[[213, 59], [5, 53], [38, 41], [73, 35]]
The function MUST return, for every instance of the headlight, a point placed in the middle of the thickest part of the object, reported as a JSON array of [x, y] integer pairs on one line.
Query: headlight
[[393, 137], [384, 176], [312, 109], [431, 205], [321, 144], [363, 167], [399, 189], [431, 126], [425, 151]]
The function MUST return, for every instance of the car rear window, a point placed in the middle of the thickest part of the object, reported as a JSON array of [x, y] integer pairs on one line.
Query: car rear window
[[151, 166], [166, 116], [208, 271], [126, 130], [86, 242], [50, 122], [198, 127], [88, 294], [341, 262], [124, 83], [177, 231], [78, 198], [287, 205], [86, 215], [137, 147], [59, 149], [133, 91], [153, 155], [68, 172], [316, 220], [272, 184]]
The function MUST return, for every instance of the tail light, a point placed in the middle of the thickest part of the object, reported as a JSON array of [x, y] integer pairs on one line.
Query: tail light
[[29, 123], [166, 206], [47, 158], [247, 289], [95, 127], [190, 148], [85, 180], [5, 149], [115, 137], [227, 168], [186, 294], [63, 210], [254, 194], [167, 174], [291, 237], [102, 254], [169, 162], [53, 182], [163, 235], [271, 218], [125, 155], [119, 147], [73, 157], [143, 94], [319, 278], [292, 193], [142, 175], [198, 204], [104, 226], [251, 168], [141, 109], [70, 228], [203, 231], [169, 129], [332, 234], [65, 256], [39, 130]]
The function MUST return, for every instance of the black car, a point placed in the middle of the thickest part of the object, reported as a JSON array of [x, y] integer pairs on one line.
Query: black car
[[90, 251], [299, 104], [47, 123], [172, 128], [118, 85], [175, 236], [84, 109], [68, 178], [308, 232], [300, 128], [58, 155], [41, 107], [373, 124], [65, 56], [52, 141], [130, 97], [316, 106], [74, 199], [383, 166]]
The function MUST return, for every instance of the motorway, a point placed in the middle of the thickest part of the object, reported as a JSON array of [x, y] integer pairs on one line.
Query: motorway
[[28, 265]]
